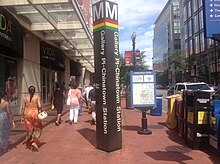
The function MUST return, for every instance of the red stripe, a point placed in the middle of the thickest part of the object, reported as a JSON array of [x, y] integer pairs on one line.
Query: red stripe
[[105, 20]]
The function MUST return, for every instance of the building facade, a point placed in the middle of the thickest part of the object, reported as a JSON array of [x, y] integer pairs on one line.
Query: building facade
[[166, 39], [35, 51], [201, 54]]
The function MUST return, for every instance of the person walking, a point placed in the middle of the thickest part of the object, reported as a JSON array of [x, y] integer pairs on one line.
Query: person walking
[[58, 98], [88, 105], [92, 99], [82, 100], [75, 98], [30, 108], [6, 120]]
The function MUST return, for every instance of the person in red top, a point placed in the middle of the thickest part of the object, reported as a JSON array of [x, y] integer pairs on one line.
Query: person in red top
[[75, 98]]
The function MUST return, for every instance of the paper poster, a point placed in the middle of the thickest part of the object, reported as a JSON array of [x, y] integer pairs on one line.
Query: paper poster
[[143, 93]]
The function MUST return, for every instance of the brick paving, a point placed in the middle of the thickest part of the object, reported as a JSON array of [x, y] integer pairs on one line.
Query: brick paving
[[77, 143]]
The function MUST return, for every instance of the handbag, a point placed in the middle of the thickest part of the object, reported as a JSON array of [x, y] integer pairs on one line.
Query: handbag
[[42, 115], [68, 101], [52, 107]]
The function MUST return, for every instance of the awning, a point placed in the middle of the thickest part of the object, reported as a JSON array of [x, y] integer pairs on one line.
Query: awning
[[58, 21]]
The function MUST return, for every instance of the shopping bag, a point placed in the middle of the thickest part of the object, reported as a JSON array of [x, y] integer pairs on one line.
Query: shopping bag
[[52, 107], [68, 101], [42, 115]]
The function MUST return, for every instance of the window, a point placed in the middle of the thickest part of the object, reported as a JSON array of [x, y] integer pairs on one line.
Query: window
[[195, 8], [201, 23], [197, 44], [200, 3], [180, 87], [190, 47], [202, 42], [185, 13], [189, 9], [186, 32], [190, 28], [196, 24]]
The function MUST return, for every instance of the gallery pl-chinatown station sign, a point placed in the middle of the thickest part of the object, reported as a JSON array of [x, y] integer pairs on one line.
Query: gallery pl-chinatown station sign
[[212, 18], [107, 73]]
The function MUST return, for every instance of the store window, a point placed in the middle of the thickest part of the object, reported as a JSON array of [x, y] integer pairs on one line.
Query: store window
[[49, 79], [8, 79], [46, 90]]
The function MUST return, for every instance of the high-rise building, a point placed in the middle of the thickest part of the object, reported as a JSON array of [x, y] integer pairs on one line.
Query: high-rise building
[[166, 38], [201, 54]]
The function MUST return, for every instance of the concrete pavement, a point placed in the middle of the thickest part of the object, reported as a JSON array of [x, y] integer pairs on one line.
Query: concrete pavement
[[77, 144]]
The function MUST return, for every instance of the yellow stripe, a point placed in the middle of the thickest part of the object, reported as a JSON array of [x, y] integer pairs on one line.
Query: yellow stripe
[[111, 25], [99, 25], [105, 24]]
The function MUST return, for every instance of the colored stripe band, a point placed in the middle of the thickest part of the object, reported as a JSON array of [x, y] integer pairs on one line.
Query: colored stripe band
[[105, 24]]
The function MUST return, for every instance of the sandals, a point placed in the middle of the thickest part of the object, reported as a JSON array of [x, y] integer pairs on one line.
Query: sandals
[[56, 123], [34, 147]]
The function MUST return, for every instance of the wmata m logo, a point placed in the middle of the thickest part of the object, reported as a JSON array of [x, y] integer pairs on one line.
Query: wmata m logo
[[105, 9]]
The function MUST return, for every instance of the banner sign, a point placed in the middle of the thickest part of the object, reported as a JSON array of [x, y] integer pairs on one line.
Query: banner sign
[[11, 34], [212, 18], [107, 76], [143, 89], [51, 57]]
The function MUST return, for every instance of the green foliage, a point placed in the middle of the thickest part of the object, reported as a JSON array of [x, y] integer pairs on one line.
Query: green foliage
[[125, 70], [162, 78], [176, 62]]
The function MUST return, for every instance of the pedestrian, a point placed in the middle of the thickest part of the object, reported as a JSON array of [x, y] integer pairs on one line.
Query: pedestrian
[[6, 120], [63, 87], [29, 114], [87, 89], [58, 98], [92, 99], [75, 98], [81, 102]]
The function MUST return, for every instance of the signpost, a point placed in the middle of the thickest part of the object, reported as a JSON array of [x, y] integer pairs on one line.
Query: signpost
[[107, 75], [143, 90], [212, 18]]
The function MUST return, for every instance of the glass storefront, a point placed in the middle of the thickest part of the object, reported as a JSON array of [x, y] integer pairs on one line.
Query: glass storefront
[[52, 62], [8, 78], [49, 79]]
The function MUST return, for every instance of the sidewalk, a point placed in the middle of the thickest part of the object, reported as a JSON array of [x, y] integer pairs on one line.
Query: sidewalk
[[77, 143], [18, 133]]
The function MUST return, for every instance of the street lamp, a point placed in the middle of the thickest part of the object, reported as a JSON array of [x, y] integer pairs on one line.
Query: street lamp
[[133, 37]]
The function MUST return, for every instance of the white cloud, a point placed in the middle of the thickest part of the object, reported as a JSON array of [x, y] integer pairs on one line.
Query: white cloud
[[149, 54], [138, 16]]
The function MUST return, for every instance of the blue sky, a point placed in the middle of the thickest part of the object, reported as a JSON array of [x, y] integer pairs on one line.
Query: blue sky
[[138, 16]]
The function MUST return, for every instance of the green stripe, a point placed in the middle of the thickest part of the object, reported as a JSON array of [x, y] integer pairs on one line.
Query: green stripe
[[99, 29], [112, 28], [105, 27]]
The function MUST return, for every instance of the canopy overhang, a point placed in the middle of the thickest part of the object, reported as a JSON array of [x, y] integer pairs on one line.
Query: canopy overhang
[[60, 22]]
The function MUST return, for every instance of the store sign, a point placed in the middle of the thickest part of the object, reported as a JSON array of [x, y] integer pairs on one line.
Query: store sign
[[138, 58], [11, 33], [128, 58], [143, 89], [107, 75], [51, 57], [212, 18]]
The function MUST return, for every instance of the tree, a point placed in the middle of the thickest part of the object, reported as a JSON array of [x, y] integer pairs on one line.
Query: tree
[[176, 63], [142, 64], [125, 70]]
